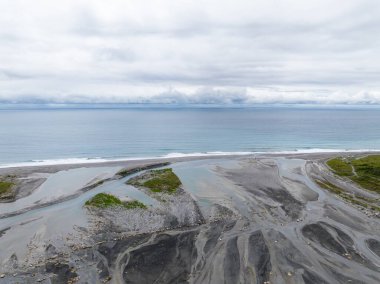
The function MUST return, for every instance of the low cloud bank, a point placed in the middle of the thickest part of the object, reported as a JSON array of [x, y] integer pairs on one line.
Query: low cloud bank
[[204, 96]]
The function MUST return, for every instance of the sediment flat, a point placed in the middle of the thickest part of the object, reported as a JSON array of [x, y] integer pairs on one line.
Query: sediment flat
[[237, 219]]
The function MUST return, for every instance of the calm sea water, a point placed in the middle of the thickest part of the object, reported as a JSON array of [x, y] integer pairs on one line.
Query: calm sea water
[[28, 135]]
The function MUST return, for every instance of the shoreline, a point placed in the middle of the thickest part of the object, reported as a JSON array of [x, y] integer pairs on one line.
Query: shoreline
[[135, 162], [71, 162]]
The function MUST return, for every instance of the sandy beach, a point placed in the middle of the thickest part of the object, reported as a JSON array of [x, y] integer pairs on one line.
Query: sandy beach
[[235, 219]]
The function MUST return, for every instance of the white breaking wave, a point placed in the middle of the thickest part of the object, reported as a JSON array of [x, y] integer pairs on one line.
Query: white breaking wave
[[70, 161]]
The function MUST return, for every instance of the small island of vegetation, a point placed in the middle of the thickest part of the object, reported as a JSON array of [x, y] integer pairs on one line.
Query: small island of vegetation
[[6, 189], [106, 200], [163, 180]]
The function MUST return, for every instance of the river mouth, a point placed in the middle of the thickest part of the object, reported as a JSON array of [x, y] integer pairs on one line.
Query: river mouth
[[257, 218]]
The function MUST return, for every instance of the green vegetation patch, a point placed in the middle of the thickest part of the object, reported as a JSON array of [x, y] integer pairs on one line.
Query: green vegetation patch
[[340, 167], [367, 166], [134, 204], [105, 200], [164, 180], [330, 187], [366, 170], [5, 187], [368, 183], [6, 192], [354, 199]]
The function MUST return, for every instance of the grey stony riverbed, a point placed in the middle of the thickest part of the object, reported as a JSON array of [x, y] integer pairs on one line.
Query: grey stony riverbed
[[254, 219]]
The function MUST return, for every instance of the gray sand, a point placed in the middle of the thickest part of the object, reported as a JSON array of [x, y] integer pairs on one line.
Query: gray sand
[[255, 219]]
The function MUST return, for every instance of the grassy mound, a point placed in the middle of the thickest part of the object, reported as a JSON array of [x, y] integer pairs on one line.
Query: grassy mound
[[364, 171], [134, 204], [163, 180], [340, 167], [158, 181], [105, 200], [5, 187]]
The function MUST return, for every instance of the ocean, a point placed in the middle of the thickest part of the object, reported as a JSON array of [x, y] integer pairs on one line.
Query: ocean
[[43, 136]]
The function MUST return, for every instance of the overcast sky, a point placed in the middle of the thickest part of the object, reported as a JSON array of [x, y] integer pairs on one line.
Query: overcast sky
[[284, 51]]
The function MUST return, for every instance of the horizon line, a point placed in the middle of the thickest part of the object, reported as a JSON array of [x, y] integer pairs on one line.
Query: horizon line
[[112, 105]]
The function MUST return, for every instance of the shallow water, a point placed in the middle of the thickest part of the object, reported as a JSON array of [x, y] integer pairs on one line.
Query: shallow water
[[58, 185], [58, 220], [202, 180]]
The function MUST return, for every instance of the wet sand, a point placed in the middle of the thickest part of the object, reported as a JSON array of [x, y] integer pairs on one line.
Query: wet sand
[[252, 219]]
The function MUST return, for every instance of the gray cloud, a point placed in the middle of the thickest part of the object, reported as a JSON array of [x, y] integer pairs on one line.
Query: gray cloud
[[239, 52]]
